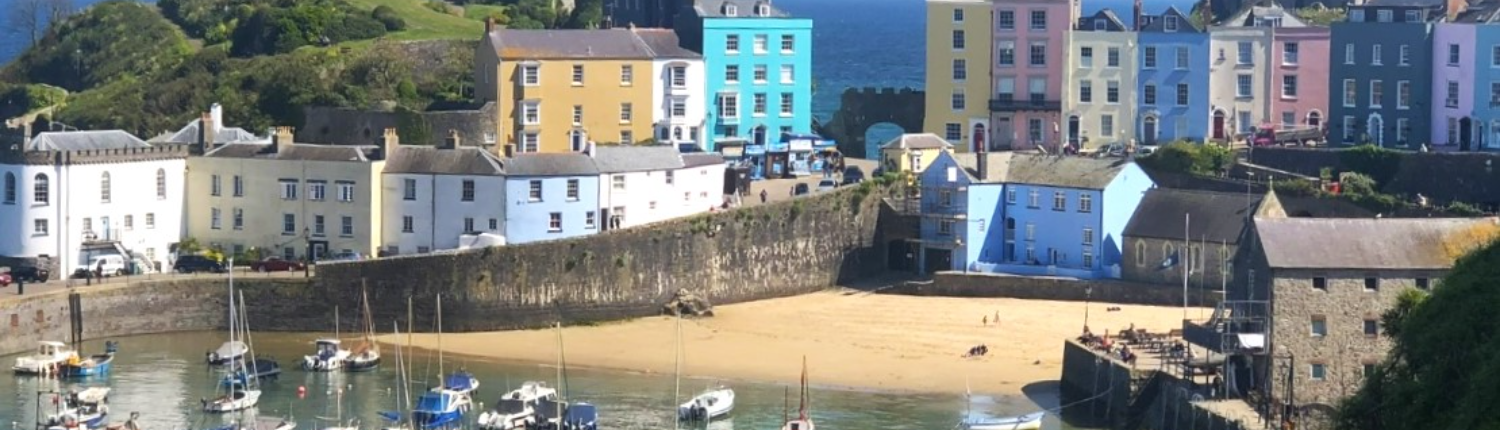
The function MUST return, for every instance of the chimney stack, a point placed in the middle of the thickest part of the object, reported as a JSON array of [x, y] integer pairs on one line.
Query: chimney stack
[[206, 135], [389, 142], [489, 25], [1456, 7], [982, 156], [1136, 20], [451, 142], [281, 140], [510, 150], [588, 149]]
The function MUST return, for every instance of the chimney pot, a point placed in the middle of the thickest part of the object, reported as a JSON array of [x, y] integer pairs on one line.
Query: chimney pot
[[510, 150], [281, 140], [389, 141], [452, 141]]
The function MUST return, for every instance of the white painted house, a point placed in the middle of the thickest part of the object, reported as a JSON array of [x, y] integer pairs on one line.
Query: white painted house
[[68, 195], [678, 103], [435, 195], [700, 181], [637, 184]]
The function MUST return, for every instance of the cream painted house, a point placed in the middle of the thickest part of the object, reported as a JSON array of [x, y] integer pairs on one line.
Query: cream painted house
[[959, 36], [1239, 74], [1102, 73], [292, 200]]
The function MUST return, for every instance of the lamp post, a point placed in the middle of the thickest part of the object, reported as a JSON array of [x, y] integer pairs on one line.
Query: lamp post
[[1088, 296], [307, 266]]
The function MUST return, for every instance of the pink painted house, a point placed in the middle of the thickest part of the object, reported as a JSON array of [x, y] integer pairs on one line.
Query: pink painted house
[[1031, 42], [1299, 76]]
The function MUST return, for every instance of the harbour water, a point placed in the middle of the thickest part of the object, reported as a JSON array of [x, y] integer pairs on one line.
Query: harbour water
[[163, 377]]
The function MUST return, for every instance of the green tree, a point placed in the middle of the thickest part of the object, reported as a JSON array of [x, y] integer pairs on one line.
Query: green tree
[[587, 14], [111, 40], [1320, 16]]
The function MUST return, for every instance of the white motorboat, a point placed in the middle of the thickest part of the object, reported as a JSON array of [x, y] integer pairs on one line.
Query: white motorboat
[[49, 359], [710, 405], [82, 409], [238, 399], [517, 409], [1031, 421], [331, 356], [227, 353]]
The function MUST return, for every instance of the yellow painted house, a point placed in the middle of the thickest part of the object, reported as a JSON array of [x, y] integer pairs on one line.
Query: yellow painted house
[[288, 199], [959, 39], [898, 154], [558, 89]]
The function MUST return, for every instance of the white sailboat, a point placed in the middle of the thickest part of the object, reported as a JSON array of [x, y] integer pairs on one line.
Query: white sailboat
[[1031, 421], [239, 397], [706, 406], [399, 419], [803, 420], [366, 354]]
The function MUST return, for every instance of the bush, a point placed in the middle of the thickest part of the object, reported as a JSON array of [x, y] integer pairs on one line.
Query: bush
[[1378, 163], [1357, 183], [1463, 209], [1190, 158], [389, 18]]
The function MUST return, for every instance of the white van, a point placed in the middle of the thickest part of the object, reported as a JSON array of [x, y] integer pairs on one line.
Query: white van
[[113, 264]]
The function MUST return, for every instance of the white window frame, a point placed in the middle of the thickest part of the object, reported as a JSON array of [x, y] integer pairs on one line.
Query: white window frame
[[531, 112], [1377, 91]]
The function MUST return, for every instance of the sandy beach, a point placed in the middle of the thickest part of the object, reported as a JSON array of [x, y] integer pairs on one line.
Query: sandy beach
[[850, 338]]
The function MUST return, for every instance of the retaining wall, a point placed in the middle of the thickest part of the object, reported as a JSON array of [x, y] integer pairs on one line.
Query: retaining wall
[[972, 284]]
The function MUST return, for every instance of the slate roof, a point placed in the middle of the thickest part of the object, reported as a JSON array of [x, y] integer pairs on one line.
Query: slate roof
[[85, 141], [434, 161], [1405, 3], [619, 159], [295, 151], [916, 141], [1483, 12], [998, 167], [696, 159], [551, 164], [1215, 217], [189, 134], [1247, 17], [744, 8], [663, 43], [1064, 171], [1157, 24], [567, 44], [1113, 22], [1360, 243]]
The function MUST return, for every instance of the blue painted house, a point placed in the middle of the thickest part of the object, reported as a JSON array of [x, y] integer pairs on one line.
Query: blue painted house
[[1028, 214], [1380, 73], [759, 65], [550, 196], [1172, 83], [1484, 125]]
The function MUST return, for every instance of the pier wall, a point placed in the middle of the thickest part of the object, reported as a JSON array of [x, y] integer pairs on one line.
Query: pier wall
[[973, 284]]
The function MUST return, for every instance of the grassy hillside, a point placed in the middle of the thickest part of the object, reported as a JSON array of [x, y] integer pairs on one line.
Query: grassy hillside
[[423, 23]]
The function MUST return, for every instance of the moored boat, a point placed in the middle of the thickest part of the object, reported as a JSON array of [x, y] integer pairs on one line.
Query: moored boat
[[803, 420], [236, 399], [260, 368], [518, 408], [461, 382], [81, 409], [1031, 421], [330, 356], [366, 355], [581, 416], [96, 364], [439, 408], [227, 353], [710, 405], [48, 359]]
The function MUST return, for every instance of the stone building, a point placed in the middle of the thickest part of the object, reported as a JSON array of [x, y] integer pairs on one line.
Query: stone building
[[1215, 223], [1328, 281]]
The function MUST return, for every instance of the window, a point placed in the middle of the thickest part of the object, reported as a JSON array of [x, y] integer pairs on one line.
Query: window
[[535, 192], [1453, 54], [288, 224], [468, 224], [1452, 99], [150, 220], [1495, 56], [671, 177], [346, 226], [1424, 283], [679, 76], [1059, 201], [1348, 128], [617, 182], [1148, 94], [239, 186], [1405, 56], [1034, 129], [104, 187], [531, 113], [588, 220], [627, 112], [406, 224], [1372, 284], [161, 184], [1244, 51], [494, 224], [1289, 86], [1085, 203], [1182, 94], [1384, 15], [758, 107], [1005, 54], [213, 218], [958, 40], [960, 73], [554, 222], [1038, 54], [1086, 57], [1169, 23], [678, 108], [39, 227], [1006, 20], [1372, 328], [1349, 53], [945, 227], [732, 73], [1101, 25], [789, 43], [1375, 93], [1320, 283], [1113, 57], [1242, 86], [1010, 196], [289, 189], [572, 190], [1088, 236], [408, 189], [1413, 16], [1375, 57], [627, 136], [1314, 119], [88, 224], [1245, 125], [577, 115], [1403, 94], [10, 188], [467, 194], [953, 131], [729, 105], [577, 74], [945, 197], [346, 191], [239, 219], [1289, 51], [129, 222], [1038, 20], [1030, 231], [1351, 93], [789, 75], [1038, 88], [1318, 372], [213, 185], [316, 190], [1106, 125], [1182, 58], [732, 43], [1288, 118], [1033, 200], [1319, 326], [317, 229], [1085, 91], [1452, 130], [786, 104], [1357, 15], [760, 43], [1112, 92], [627, 74], [1149, 58]]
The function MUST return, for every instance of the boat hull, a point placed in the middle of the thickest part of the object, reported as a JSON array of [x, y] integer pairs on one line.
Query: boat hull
[[237, 401], [708, 406], [1023, 422], [94, 366], [361, 364]]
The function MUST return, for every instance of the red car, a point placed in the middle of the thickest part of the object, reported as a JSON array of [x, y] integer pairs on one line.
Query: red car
[[5, 279], [275, 264]]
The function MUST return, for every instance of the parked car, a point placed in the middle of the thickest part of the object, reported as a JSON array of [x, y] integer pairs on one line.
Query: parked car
[[827, 184], [345, 256], [1146, 150], [853, 175], [29, 274], [5, 279], [800, 189], [106, 265], [276, 264], [197, 264]]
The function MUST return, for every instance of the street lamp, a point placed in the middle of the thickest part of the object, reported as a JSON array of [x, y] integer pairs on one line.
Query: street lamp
[[306, 266], [1088, 295]]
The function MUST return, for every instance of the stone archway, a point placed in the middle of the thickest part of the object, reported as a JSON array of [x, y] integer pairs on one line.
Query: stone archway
[[861, 108]]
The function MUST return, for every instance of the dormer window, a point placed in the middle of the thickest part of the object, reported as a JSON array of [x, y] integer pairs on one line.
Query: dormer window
[[762, 9], [1170, 23], [1100, 25], [730, 10]]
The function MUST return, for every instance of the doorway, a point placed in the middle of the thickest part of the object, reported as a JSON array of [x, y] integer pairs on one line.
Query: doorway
[[316, 250], [938, 259], [1466, 134], [1005, 133], [1073, 130], [1218, 124], [1148, 131]]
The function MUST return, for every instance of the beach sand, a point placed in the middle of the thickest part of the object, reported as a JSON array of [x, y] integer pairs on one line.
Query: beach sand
[[850, 338]]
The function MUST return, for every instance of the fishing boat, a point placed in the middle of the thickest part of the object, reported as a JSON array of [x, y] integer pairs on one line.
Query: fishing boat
[[803, 420], [366, 355], [260, 368], [228, 352], [1031, 421], [518, 408], [330, 356], [97, 364], [81, 409], [48, 360], [709, 405]]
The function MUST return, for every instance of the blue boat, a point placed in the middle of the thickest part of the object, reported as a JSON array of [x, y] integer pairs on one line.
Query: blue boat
[[461, 382], [262, 368], [81, 408], [440, 408], [98, 364], [581, 416]]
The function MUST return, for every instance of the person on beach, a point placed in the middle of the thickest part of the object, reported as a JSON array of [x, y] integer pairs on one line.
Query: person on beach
[[984, 320], [762, 196]]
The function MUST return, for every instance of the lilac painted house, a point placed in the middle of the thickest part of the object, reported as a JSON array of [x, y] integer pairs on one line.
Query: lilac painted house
[[1453, 84]]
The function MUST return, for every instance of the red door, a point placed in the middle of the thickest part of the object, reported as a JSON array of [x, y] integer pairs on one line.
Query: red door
[[1218, 125]]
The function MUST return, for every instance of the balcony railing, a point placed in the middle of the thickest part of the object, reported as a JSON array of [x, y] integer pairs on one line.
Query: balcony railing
[[1005, 105]]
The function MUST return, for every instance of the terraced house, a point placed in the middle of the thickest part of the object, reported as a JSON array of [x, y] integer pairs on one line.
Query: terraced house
[[1103, 69], [1380, 72], [958, 72], [432, 196], [1031, 54], [1173, 87]]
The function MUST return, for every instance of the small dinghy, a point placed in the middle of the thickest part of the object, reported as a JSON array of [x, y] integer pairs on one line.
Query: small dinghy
[[1032, 421], [710, 405], [517, 409], [81, 409], [49, 359], [98, 364], [261, 368], [234, 401]]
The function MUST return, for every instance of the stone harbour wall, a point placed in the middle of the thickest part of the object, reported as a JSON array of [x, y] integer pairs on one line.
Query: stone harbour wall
[[974, 284]]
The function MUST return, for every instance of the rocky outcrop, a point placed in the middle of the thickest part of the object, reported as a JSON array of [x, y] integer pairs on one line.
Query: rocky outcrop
[[685, 303]]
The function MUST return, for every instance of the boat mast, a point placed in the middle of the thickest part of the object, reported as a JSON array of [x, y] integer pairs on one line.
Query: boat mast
[[335, 322], [802, 410], [250, 378], [559, 373], [410, 315], [677, 392], [441, 382]]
